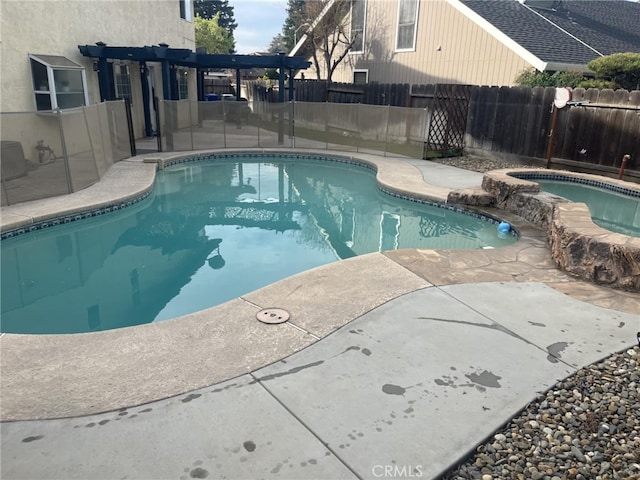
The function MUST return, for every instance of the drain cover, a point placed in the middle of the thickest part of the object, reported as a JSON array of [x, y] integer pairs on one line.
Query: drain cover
[[272, 315]]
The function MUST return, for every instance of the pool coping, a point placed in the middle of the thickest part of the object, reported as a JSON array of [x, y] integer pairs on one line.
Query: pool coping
[[42, 376]]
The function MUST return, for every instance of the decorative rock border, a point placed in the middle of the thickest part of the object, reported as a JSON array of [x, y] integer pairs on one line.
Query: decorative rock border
[[578, 245]]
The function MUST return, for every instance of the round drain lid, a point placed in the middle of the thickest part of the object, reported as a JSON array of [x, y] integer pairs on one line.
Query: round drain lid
[[272, 315]]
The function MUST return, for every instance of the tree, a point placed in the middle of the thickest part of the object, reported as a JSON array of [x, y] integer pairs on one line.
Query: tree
[[329, 34], [271, 74], [210, 35], [621, 68], [296, 17], [208, 9], [277, 45]]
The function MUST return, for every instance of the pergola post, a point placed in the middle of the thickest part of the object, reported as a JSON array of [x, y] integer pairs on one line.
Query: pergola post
[[200, 77], [171, 58], [145, 98], [167, 128], [105, 80]]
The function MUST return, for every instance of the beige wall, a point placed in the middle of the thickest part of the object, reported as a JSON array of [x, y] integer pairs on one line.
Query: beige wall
[[58, 27], [450, 48]]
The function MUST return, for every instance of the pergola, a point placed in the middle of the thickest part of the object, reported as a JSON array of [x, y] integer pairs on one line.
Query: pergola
[[172, 58]]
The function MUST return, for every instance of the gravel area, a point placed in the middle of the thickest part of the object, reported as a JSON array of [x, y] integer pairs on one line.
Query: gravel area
[[476, 164], [585, 427]]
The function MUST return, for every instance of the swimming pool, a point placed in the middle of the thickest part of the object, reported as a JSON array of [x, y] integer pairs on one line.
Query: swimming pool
[[609, 209], [213, 230]]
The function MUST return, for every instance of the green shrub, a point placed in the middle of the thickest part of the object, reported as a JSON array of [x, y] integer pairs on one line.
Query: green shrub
[[598, 83], [621, 68], [534, 78]]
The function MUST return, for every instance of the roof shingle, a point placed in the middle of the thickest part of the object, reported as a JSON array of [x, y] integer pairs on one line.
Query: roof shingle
[[608, 26]]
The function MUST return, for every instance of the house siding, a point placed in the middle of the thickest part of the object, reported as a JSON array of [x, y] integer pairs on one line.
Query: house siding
[[450, 48], [58, 27]]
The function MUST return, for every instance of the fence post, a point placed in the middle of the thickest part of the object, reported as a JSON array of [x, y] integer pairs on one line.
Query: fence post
[[291, 113], [132, 140], [107, 161], [224, 124], [258, 115], [358, 127], [386, 133], [552, 134], [93, 151], [158, 129], [5, 194], [190, 122], [291, 120], [293, 124], [58, 115], [326, 125]]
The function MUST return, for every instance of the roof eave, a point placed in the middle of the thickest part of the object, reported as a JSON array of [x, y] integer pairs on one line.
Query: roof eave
[[566, 67]]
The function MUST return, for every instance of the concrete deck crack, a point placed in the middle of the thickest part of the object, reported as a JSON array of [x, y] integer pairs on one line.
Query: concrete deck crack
[[306, 427], [498, 327]]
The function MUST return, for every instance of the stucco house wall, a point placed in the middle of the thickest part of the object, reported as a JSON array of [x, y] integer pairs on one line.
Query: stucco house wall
[[58, 27]]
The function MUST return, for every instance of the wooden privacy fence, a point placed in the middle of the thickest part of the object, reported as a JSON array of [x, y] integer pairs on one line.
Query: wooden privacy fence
[[393, 94], [596, 128]]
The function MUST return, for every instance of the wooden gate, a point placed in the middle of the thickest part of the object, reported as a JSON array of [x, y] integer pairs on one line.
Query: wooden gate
[[448, 111]]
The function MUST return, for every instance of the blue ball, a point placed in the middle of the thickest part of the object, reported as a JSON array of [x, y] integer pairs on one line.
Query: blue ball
[[504, 227]]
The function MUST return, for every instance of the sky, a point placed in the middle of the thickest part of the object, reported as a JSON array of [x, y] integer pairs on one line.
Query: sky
[[258, 22]]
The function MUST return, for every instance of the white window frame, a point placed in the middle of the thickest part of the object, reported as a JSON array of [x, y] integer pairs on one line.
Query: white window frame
[[415, 27], [361, 70], [56, 64], [183, 76], [364, 25], [118, 76], [188, 10]]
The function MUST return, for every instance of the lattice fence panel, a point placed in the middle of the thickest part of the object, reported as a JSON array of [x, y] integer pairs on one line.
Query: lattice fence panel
[[448, 110]]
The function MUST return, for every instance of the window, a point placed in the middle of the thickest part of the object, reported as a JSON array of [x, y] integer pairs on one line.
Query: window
[[122, 81], [358, 10], [183, 84], [361, 76], [57, 82], [185, 9], [407, 20]]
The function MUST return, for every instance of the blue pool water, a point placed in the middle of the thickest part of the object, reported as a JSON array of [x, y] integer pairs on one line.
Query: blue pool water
[[212, 231], [613, 211]]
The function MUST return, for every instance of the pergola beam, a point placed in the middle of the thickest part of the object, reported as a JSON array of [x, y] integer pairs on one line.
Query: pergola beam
[[186, 58]]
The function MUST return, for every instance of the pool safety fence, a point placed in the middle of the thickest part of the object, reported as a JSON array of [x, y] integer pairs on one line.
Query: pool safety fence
[[45, 154], [186, 126], [52, 153]]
